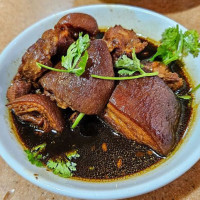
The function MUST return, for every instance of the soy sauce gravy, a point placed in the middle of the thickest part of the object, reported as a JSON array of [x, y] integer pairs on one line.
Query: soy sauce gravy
[[104, 153]]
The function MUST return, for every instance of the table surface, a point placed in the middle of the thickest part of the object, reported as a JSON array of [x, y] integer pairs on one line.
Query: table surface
[[17, 15]]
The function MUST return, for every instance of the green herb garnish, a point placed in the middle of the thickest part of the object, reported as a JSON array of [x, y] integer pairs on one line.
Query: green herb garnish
[[128, 67], [188, 96], [74, 61], [175, 45], [34, 155], [74, 53], [64, 167], [78, 119]]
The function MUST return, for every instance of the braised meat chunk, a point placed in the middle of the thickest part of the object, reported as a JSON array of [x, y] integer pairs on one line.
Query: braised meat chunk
[[55, 42], [38, 110], [84, 94], [51, 42], [145, 110], [171, 79], [19, 87], [122, 41], [78, 22]]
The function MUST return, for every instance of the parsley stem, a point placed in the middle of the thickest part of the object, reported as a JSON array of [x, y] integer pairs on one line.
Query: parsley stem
[[124, 78], [50, 68], [78, 119]]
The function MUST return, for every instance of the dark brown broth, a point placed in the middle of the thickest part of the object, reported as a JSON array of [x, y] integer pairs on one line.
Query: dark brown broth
[[122, 156]]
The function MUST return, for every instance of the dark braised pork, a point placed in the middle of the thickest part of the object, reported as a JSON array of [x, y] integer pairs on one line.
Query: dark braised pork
[[84, 94], [122, 41], [78, 22], [145, 110], [38, 110], [55, 42], [18, 88], [47, 46], [171, 79]]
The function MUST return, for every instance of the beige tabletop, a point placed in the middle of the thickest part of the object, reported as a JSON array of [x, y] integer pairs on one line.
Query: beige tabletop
[[16, 15]]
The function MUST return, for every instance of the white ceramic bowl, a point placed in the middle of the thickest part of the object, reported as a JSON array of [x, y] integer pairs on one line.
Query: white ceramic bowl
[[148, 24]]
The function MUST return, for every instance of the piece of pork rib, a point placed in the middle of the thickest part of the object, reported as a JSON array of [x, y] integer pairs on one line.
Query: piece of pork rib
[[171, 79], [39, 110], [78, 22], [51, 42], [84, 94], [145, 110], [122, 41]]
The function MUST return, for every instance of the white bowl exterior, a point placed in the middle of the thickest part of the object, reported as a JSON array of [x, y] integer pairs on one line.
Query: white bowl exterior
[[148, 24]]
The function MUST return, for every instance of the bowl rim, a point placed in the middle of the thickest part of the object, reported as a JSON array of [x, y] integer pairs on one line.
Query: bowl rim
[[100, 194]]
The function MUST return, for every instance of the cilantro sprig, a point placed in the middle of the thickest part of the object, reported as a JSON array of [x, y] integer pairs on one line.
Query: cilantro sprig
[[76, 58], [64, 167], [127, 66], [34, 155], [175, 45]]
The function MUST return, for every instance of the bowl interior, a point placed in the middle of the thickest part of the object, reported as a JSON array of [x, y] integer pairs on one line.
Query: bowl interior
[[146, 23]]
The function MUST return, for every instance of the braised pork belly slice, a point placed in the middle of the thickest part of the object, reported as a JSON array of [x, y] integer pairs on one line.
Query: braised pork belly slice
[[170, 78], [122, 41], [145, 110], [84, 94], [38, 110]]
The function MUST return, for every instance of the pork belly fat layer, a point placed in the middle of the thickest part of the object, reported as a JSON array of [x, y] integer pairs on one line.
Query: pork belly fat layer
[[84, 94], [38, 110], [145, 110]]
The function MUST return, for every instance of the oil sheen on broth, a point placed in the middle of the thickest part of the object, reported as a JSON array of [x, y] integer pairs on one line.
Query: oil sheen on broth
[[104, 154]]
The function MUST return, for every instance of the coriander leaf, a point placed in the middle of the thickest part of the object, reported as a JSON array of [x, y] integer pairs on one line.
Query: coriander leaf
[[125, 72], [128, 65], [170, 38], [33, 155], [191, 43], [175, 45], [124, 62], [72, 154], [81, 65], [74, 53], [64, 167], [59, 168], [34, 159], [74, 61]]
